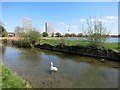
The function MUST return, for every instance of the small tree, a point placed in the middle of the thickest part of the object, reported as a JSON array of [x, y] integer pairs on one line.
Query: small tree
[[67, 35], [44, 34], [80, 35], [30, 38], [73, 35], [96, 32], [52, 34], [58, 34]]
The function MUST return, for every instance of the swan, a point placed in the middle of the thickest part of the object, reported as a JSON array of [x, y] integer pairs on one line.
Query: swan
[[102, 60], [52, 68]]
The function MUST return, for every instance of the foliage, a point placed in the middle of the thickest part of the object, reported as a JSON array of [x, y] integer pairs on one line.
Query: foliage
[[44, 34], [3, 31], [18, 29], [67, 35], [73, 35], [28, 39], [58, 34], [10, 80], [52, 34], [80, 35], [96, 33], [4, 41]]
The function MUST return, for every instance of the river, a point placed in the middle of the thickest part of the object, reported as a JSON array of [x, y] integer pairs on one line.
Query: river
[[110, 40], [74, 71]]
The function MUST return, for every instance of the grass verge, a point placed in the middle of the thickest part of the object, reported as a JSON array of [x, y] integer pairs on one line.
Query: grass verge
[[114, 46], [10, 79]]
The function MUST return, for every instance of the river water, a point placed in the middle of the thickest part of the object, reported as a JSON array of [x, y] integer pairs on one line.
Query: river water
[[74, 71], [110, 40]]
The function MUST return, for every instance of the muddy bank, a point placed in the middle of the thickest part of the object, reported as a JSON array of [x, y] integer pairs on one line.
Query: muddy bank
[[85, 51]]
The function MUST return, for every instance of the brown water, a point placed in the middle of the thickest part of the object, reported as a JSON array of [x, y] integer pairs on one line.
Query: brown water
[[74, 71]]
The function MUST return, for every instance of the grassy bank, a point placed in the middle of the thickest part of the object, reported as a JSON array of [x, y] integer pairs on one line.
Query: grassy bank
[[11, 80], [107, 45]]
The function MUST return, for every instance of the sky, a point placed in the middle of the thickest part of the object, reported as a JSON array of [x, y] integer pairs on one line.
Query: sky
[[64, 15]]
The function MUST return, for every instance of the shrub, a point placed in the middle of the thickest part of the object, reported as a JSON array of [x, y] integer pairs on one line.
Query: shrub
[[44, 34]]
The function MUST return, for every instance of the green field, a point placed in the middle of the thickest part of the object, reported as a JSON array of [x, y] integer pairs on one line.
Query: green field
[[114, 46], [11, 80]]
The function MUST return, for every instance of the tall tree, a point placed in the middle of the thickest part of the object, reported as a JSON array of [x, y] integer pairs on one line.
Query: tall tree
[[96, 32]]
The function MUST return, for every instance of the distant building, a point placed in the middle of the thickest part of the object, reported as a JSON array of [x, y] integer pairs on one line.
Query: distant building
[[11, 34], [27, 24], [49, 27]]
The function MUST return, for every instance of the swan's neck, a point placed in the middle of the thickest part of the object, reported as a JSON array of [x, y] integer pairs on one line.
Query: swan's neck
[[51, 64]]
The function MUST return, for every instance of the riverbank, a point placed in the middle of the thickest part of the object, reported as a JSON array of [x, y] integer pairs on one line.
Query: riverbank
[[11, 80], [109, 51], [107, 45], [82, 49]]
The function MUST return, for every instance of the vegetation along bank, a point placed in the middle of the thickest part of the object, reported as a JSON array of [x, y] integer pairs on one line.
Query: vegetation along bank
[[11, 80]]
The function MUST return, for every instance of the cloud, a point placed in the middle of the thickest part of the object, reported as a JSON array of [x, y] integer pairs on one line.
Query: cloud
[[60, 24], [67, 26], [75, 26], [82, 20], [111, 17], [103, 19]]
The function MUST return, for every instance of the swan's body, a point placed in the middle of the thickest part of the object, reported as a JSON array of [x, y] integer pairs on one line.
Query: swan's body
[[52, 68], [102, 60]]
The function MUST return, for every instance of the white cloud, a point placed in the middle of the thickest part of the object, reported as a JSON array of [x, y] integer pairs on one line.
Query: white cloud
[[67, 26], [82, 20], [74, 26], [98, 19], [92, 19], [60, 24], [111, 17]]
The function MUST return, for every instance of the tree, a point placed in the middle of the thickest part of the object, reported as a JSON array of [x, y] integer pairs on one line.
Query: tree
[[96, 32], [58, 34], [67, 35], [18, 29], [73, 35], [3, 32], [29, 38], [52, 34], [44, 34], [80, 35]]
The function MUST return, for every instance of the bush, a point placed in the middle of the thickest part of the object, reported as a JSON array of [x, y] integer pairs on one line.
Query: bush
[[44, 34], [28, 39], [4, 41], [58, 34]]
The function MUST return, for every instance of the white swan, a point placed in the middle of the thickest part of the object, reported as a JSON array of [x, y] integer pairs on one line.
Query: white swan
[[102, 60], [52, 68]]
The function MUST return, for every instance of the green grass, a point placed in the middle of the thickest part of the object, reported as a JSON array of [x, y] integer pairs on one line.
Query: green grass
[[53, 42], [68, 42], [114, 46], [11, 80]]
